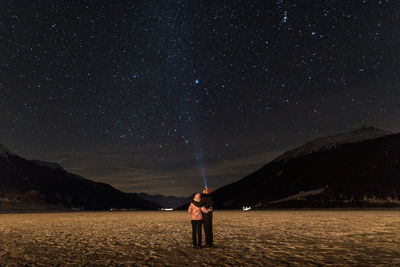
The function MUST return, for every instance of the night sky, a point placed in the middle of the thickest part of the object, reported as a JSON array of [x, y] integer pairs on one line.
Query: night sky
[[145, 95]]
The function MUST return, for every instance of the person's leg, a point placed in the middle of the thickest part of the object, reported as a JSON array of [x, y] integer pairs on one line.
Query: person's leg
[[194, 231], [207, 230], [210, 232], [199, 233]]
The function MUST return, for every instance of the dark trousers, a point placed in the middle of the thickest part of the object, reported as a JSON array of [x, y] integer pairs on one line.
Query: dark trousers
[[196, 232], [208, 230]]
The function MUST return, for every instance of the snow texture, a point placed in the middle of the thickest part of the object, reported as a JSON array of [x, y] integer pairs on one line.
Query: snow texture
[[301, 195], [51, 165], [251, 238]]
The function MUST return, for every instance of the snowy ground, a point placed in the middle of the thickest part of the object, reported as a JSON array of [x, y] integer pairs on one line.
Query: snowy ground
[[265, 238]]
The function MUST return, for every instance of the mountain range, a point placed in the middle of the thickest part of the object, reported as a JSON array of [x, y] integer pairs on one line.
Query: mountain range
[[164, 201], [356, 169], [32, 184]]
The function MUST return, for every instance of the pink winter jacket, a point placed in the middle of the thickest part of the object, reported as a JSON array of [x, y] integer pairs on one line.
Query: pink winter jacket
[[195, 212]]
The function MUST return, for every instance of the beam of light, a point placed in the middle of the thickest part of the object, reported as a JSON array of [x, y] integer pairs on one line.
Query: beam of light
[[198, 147], [177, 67], [200, 159]]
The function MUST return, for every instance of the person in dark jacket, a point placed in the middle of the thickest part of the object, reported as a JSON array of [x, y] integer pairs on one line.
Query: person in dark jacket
[[208, 203]]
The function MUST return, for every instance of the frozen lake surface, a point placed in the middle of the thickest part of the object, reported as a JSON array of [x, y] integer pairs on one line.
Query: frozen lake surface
[[265, 238]]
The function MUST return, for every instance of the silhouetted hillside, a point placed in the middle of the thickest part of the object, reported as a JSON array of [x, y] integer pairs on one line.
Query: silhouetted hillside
[[38, 182], [164, 201], [363, 171]]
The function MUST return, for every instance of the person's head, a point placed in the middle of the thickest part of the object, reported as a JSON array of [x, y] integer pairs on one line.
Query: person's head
[[206, 191], [197, 197]]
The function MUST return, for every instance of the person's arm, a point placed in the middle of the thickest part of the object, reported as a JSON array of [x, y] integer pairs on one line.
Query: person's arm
[[197, 204], [203, 209], [190, 209]]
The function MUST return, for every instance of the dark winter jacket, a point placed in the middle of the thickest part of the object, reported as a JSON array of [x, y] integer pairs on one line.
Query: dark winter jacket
[[207, 200]]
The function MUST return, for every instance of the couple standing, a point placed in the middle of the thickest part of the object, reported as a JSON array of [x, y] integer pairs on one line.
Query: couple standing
[[200, 210]]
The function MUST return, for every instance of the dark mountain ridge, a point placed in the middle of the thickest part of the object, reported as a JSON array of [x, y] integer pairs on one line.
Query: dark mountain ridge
[[41, 182], [364, 172], [356, 169], [164, 201]]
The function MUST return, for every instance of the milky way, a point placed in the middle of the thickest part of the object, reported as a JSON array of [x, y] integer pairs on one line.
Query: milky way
[[142, 94]]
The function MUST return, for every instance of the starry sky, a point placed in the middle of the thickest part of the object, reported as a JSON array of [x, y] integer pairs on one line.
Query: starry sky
[[149, 95]]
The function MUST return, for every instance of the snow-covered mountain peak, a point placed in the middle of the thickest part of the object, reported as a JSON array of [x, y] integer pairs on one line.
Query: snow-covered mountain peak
[[326, 143]]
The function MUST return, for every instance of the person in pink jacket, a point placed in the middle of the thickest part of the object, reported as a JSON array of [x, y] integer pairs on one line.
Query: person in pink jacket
[[197, 220]]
